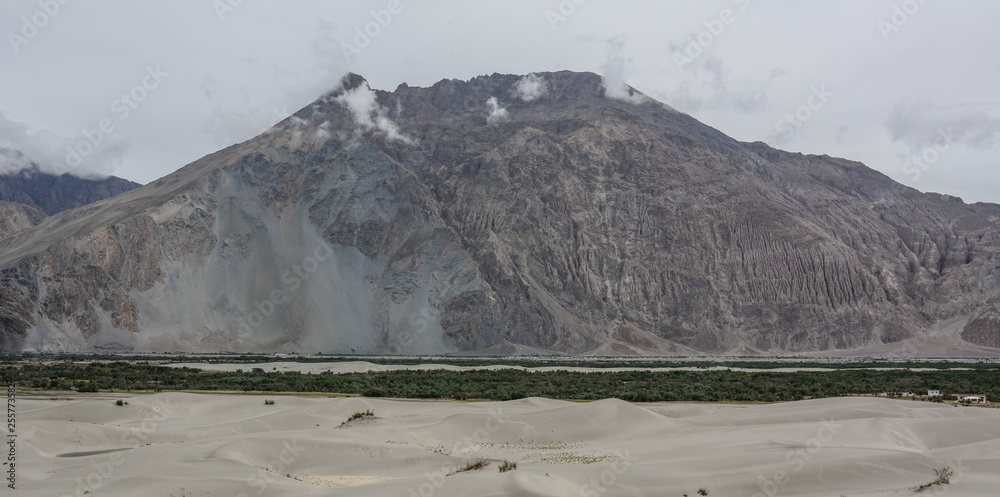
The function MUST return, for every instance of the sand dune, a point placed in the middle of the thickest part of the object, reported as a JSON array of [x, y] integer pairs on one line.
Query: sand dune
[[235, 445]]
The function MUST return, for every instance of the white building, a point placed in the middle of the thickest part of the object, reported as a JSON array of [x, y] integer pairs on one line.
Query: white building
[[972, 399]]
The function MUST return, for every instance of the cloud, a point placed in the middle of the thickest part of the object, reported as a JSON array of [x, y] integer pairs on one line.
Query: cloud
[[709, 85], [93, 152], [237, 115], [497, 114], [842, 134], [368, 114], [245, 108], [530, 87], [323, 131], [922, 124], [613, 71]]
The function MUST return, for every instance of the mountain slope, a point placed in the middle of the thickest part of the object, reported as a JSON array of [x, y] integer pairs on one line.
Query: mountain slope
[[15, 217], [51, 193], [418, 221]]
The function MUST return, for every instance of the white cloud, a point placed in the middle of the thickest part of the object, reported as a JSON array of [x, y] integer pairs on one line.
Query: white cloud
[[923, 123], [710, 84], [255, 77], [613, 72], [323, 131], [91, 153], [369, 114], [497, 114], [531, 87]]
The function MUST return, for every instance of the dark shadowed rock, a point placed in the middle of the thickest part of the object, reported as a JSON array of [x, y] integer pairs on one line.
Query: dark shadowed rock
[[51, 193]]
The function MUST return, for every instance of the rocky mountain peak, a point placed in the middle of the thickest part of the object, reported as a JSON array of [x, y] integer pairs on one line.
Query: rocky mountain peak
[[507, 214]]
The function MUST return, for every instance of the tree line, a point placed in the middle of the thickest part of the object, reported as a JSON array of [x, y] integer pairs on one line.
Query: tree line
[[509, 384]]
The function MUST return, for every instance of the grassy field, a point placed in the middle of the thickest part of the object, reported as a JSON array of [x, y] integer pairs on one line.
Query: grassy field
[[506, 384], [528, 362]]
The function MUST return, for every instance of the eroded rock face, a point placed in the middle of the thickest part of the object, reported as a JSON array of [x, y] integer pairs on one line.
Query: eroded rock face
[[576, 223], [15, 217], [984, 328]]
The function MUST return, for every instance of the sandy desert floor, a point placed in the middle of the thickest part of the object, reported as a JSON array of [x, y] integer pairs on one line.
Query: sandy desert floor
[[180, 444]]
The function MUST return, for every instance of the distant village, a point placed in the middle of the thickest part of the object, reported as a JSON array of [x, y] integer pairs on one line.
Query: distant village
[[936, 395]]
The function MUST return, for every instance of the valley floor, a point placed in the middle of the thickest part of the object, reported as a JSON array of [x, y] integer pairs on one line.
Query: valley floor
[[184, 444]]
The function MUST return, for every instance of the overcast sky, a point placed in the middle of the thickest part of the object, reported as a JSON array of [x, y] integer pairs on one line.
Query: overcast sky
[[158, 84]]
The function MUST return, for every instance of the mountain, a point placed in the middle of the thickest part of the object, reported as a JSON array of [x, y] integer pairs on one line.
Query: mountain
[[508, 214], [15, 217], [52, 193]]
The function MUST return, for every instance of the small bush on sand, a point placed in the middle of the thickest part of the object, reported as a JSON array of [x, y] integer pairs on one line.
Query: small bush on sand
[[360, 415], [507, 466], [943, 478], [268, 402], [472, 466]]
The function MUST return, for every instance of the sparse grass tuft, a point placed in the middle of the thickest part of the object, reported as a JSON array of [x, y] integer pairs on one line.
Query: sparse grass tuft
[[943, 478], [472, 466], [359, 415], [268, 402], [702, 491], [508, 466]]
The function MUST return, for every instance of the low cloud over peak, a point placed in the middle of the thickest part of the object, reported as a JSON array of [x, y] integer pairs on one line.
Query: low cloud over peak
[[92, 153], [368, 114], [498, 114], [613, 75], [531, 87]]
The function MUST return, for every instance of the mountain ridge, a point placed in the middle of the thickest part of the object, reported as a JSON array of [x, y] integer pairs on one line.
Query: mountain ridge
[[54, 193], [573, 223]]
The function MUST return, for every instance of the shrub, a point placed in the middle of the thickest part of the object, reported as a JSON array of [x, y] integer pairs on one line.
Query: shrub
[[268, 402], [86, 387], [121, 402], [373, 392], [359, 415], [472, 466], [943, 478], [702, 491], [507, 466]]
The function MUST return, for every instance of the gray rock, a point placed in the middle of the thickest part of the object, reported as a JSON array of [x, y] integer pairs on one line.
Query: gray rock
[[580, 224], [15, 217]]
